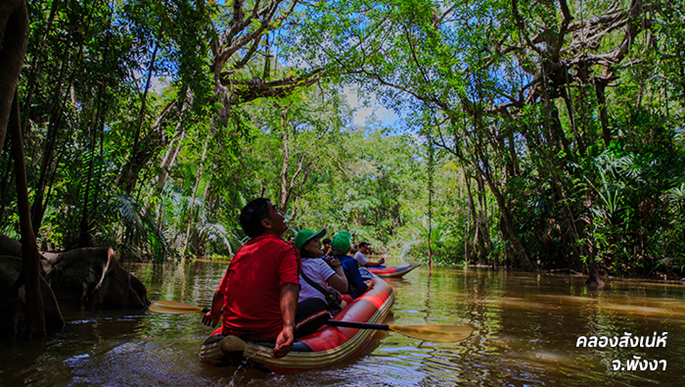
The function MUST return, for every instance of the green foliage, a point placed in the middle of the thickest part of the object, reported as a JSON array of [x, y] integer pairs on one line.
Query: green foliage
[[137, 233], [541, 140]]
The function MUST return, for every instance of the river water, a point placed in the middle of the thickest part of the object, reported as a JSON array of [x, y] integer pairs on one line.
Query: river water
[[526, 327]]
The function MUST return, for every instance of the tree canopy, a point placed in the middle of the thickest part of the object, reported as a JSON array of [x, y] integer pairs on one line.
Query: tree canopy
[[537, 135]]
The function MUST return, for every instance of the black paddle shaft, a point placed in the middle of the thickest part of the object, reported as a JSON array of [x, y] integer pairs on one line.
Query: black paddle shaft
[[358, 325]]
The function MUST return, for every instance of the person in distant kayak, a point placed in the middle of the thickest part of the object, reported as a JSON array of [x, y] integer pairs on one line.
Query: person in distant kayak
[[259, 292], [360, 256], [340, 244], [315, 277], [291, 240]]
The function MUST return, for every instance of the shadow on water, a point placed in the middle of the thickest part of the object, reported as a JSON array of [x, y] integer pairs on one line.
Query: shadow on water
[[525, 332]]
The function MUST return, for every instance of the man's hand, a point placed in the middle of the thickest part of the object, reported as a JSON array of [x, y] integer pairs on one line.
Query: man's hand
[[369, 283], [211, 319], [289, 293], [284, 342]]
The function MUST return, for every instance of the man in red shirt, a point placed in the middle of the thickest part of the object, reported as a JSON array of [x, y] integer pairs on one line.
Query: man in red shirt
[[260, 289]]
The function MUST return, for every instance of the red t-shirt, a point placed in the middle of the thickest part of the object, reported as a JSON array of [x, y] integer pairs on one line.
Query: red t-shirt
[[251, 287]]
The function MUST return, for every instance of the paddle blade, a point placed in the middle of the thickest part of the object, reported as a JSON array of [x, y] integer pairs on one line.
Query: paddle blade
[[438, 333], [173, 307]]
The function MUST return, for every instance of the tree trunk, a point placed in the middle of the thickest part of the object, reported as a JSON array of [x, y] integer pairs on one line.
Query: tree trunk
[[577, 137], [471, 212], [483, 222], [431, 165], [38, 209], [293, 211], [170, 157], [35, 65], [283, 202], [600, 87], [14, 30], [56, 113], [594, 278], [6, 187], [35, 314], [198, 176], [507, 221], [165, 166], [174, 145], [129, 173]]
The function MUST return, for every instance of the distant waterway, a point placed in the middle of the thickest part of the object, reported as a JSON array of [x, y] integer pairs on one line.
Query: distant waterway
[[526, 331]]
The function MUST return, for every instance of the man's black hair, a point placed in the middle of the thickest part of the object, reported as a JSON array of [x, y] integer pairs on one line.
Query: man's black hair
[[326, 240], [252, 214], [363, 244], [290, 237]]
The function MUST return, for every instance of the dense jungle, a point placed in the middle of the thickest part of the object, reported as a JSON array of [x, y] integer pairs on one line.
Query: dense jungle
[[531, 135]]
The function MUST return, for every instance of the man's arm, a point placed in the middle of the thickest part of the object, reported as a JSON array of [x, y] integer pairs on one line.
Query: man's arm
[[289, 294], [361, 258], [214, 315], [372, 263]]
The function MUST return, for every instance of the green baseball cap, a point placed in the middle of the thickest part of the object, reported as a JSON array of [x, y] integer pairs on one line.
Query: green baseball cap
[[341, 242], [307, 235]]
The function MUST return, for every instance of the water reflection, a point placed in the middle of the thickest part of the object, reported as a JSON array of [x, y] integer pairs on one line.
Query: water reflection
[[525, 332]]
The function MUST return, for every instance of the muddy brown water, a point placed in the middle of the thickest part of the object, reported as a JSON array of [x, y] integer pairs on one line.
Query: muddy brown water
[[526, 328]]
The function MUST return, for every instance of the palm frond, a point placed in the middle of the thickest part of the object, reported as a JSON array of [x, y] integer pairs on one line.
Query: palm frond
[[139, 227], [216, 232]]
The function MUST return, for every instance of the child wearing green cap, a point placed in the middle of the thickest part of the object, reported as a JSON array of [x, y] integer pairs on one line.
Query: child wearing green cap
[[340, 245]]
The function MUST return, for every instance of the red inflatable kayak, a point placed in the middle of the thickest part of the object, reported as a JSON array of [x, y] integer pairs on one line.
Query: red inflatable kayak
[[392, 272], [327, 346]]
